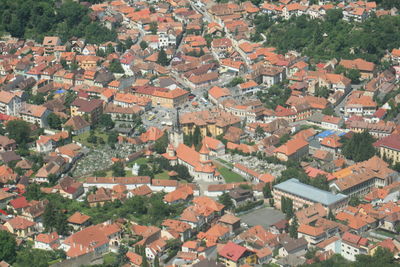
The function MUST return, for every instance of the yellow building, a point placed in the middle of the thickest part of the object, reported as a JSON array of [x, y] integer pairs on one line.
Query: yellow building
[[389, 147], [163, 96], [214, 122], [234, 255]]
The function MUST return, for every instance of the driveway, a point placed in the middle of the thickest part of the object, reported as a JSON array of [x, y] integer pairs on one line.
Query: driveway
[[264, 216]]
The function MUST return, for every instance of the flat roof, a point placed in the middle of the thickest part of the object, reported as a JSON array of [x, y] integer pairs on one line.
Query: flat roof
[[295, 187]]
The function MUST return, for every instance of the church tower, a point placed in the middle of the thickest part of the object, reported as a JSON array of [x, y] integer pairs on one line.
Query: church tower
[[176, 134]]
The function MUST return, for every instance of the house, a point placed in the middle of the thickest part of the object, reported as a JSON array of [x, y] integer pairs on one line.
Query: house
[[169, 98], [353, 245], [50, 43], [10, 103], [92, 109], [366, 68], [49, 241], [360, 178], [18, 204], [241, 196], [155, 248], [78, 221], [360, 104], [7, 144], [54, 167], [389, 147], [110, 182], [217, 232], [331, 122], [47, 143], [215, 122], [218, 94], [5, 198], [134, 259], [96, 238], [7, 175], [34, 212], [215, 146], [183, 229], [77, 124], [391, 222], [181, 194], [330, 244], [311, 214], [312, 234], [291, 246], [302, 194], [21, 227], [35, 114], [234, 255], [230, 221], [294, 149]]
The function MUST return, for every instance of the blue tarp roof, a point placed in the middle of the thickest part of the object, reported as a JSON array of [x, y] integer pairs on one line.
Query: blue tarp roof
[[60, 91], [325, 133]]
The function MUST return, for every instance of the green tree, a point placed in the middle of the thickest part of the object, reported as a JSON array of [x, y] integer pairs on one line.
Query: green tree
[[328, 111], [33, 257], [112, 138], [183, 172], [54, 219], [106, 121], [162, 58], [118, 169], [235, 81], [33, 192], [354, 201], [145, 170], [322, 92], [293, 227], [359, 147], [115, 66], [226, 200], [259, 131], [8, 247], [161, 144], [19, 130], [196, 140], [54, 121], [153, 27], [267, 190], [53, 178], [354, 75], [143, 45]]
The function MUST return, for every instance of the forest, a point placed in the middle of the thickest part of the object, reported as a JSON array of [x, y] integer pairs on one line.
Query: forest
[[332, 37], [34, 19]]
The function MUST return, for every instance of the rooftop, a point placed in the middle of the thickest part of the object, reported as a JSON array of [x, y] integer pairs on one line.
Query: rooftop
[[295, 187]]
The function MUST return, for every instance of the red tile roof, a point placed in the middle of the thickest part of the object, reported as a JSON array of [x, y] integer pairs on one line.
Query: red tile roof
[[232, 251]]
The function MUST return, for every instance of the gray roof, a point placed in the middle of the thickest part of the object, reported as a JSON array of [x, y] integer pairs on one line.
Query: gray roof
[[295, 187]]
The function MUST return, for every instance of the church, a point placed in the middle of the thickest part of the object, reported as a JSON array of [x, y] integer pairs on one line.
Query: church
[[198, 163]]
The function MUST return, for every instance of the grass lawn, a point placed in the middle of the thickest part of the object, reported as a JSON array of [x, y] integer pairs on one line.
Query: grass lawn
[[139, 161], [82, 138], [225, 162], [110, 258], [230, 176], [163, 176]]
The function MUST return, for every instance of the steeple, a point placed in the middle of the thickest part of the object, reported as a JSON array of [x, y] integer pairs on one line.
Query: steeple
[[176, 135], [204, 153]]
